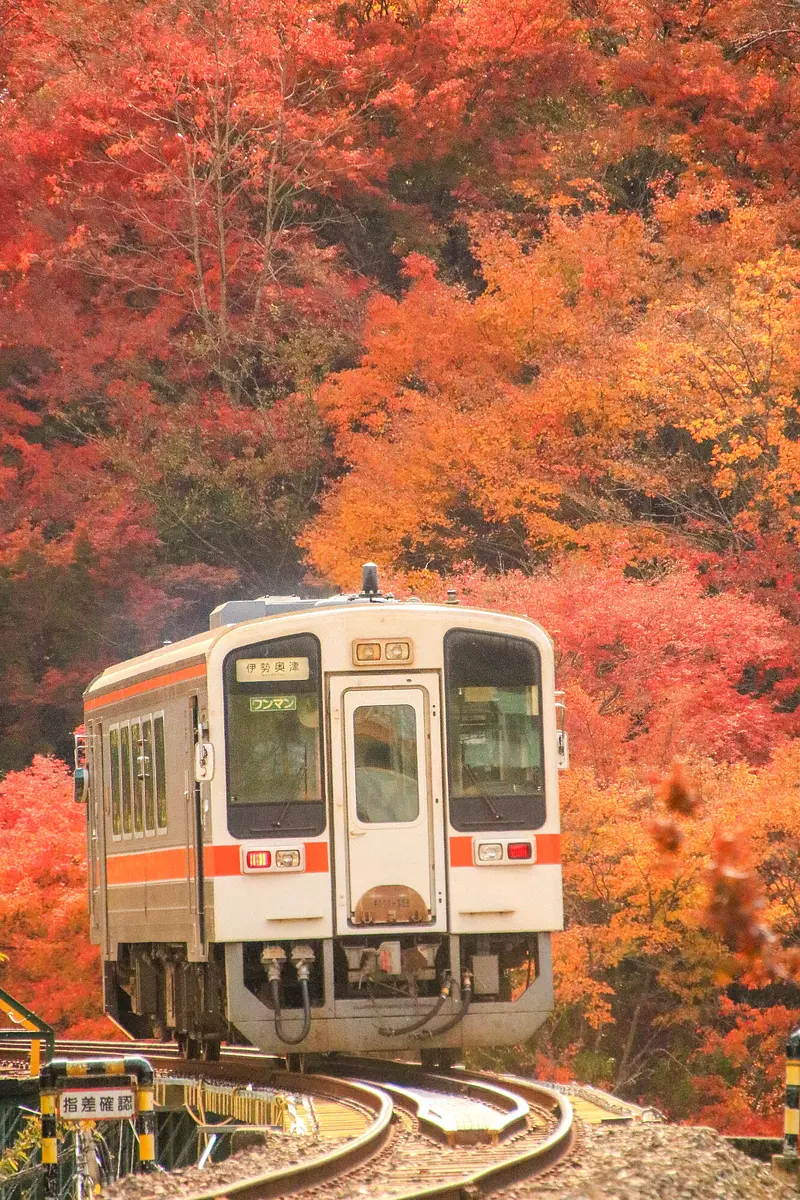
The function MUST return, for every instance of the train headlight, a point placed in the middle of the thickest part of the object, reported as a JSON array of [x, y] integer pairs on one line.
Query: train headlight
[[287, 858], [520, 850], [368, 652], [490, 852], [398, 651]]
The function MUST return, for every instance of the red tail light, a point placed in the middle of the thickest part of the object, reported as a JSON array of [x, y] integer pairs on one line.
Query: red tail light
[[519, 850], [259, 860]]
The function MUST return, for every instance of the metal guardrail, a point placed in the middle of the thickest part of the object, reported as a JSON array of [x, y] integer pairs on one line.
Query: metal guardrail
[[36, 1030]]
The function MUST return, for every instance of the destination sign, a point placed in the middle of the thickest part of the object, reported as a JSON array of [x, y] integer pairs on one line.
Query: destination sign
[[250, 670]]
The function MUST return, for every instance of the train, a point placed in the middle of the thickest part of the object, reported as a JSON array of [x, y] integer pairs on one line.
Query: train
[[328, 826]]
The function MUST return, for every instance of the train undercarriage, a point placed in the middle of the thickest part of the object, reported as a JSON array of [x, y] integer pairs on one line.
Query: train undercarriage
[[428, 994]]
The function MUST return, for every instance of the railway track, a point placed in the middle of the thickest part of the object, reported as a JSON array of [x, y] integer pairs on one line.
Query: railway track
[[428, 1136]]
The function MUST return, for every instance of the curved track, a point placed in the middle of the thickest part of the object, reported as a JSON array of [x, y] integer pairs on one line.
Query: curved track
[[534, 1123]]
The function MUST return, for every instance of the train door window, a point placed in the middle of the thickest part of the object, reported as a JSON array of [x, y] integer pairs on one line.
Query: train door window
[[386, 761], [146, 767], [160, 772], [137, 780], [114, 766], [494, 731], [125, 776], [273, 738]]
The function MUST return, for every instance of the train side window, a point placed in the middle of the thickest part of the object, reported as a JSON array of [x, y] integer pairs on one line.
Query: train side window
[[114, 764], [137, 780], [494, 731], [385, 746], [146, 773], [125, 775], [161, 772]]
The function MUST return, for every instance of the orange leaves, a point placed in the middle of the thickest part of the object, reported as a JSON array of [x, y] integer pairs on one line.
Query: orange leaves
[[736, 902], [43, 909], [739, 1069], [506, 380], [637, 372], [735, 354], [677, 793]]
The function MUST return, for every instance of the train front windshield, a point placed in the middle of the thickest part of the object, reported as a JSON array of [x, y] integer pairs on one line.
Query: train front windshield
[[494, 731], [273, 738]]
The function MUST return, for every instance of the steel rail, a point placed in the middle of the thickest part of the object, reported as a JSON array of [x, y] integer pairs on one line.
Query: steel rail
[[481, 1181], [244, 1068], [324, 1167], [554, 1147], [338, 1162], [484, 1089]]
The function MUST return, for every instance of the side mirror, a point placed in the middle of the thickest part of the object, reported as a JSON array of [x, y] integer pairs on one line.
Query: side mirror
[[562, 741], [203, 762], [80, 785], [562, 747]]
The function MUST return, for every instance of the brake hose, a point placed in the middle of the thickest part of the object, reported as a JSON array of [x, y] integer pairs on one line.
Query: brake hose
[[466, 1000], [429, 1015], [275, 987]]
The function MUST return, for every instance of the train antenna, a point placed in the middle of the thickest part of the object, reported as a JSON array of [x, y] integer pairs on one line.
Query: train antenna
[[369, 580]]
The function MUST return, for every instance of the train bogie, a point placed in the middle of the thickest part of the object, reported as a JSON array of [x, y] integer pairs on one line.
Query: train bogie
[[331, 826]]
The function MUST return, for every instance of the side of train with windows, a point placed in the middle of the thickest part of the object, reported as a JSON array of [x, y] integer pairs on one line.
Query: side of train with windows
[[328, 826]]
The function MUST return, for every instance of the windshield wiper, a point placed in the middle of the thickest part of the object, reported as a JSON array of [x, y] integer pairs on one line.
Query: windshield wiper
[[276, 824], [484, 795]]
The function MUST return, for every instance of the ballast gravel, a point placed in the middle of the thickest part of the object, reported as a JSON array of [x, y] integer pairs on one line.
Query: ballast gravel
[[653, 1162], [279, 1150], [612, 1162]]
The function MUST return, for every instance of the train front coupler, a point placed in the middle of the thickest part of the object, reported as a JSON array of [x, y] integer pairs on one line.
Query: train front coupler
[[273, 958], [463, 1009]]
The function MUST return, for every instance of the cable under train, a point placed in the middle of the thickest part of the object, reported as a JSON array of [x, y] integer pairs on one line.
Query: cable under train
[[328, 825]]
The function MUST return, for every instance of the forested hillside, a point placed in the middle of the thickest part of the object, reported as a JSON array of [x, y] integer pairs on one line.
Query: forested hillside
[[502, 294]]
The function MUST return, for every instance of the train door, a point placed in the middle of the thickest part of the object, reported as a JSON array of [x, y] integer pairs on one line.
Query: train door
[[98, 916], [387, 790], [194, 832]]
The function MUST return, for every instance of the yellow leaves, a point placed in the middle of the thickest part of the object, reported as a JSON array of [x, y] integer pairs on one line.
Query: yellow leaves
[[611, 369], [734, 356], [576, 969], [624, 906]]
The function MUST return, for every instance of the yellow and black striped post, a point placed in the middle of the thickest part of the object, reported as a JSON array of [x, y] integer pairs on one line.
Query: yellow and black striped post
[[791, 1111], [49, 1142], [56, 1074], [146, 1119]]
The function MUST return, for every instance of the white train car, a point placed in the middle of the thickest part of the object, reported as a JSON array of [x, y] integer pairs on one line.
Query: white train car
[[328, 826]]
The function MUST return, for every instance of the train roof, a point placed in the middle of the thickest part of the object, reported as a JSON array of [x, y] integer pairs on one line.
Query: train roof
[[239, 612]]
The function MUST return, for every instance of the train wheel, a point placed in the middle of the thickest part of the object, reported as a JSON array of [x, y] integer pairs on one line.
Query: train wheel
[[442, 1057], [211, 1049], [194, 1049]]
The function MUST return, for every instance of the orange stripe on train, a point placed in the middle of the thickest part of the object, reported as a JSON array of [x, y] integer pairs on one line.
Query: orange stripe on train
[[146, 685], [548, 849], [172, 863]]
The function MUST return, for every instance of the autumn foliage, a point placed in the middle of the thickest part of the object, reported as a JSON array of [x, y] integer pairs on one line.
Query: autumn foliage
[[502, 294], [52, 969]]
